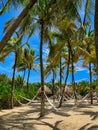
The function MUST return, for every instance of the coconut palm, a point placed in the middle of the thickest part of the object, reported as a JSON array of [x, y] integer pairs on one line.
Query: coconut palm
[[17, 50], [88, 37], [44, 11], [14, 26], [96, 31], [11, 47], [89, 46], [29, 60]]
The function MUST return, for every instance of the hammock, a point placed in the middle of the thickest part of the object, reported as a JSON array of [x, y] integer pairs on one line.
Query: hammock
[[30, 101], [83, 98], [50, 102], [19, 101]]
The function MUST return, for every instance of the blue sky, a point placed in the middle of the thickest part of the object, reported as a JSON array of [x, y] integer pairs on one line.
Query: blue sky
[[80, 74]]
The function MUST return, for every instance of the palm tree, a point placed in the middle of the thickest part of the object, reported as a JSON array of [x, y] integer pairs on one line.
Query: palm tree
[[44, 12], [89, 40], [29, 59], [22, 66], [96, 32], [48, 71], [17, 50], [14, 26], [88, 37], [67, 73]]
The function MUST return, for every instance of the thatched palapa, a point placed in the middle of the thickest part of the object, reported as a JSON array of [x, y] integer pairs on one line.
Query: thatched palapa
[[46, 89], [67, 91]]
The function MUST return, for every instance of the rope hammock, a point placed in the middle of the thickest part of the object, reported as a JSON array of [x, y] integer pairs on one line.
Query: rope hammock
[[19, 101], [81, 101], [32, 100], [50, 102]]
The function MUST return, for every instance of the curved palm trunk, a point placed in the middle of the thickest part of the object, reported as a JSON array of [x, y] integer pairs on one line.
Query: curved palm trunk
[[96, 32], [13, 81], [9, 33], [28, 79], [67, 73], [42, 112]]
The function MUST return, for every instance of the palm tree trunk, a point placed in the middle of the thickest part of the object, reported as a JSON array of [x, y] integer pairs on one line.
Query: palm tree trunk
[[53, 89], [42, 112], [96, 32], [9, 33], [90, 75], [23, 77], [90, 72], [73, 80], [67, 73], [13, 81], [28, 80], [60, 74]]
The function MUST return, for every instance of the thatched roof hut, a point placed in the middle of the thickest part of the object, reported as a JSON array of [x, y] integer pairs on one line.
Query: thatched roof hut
[[67, 91], [46, 89]]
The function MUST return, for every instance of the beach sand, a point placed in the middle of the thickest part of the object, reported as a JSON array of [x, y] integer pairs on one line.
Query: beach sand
[[68, 117]]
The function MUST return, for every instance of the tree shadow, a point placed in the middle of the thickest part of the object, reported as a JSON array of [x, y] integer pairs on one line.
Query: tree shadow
[[54, 127], [94, 127], [20, 119], [92, 114], [61, 113], [56, 124], [84, 127]]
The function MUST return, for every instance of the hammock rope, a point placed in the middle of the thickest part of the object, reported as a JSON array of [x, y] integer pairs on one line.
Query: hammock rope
[[85, 97], [32, 100], [50, 102], [29, 101]]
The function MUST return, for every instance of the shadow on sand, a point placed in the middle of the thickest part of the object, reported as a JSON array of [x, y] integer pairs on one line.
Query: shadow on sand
[[94, 127]]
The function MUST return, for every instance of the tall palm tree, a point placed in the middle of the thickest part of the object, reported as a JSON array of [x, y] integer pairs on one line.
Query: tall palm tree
[[14, 26], [29, 60], [89, 40], [67, 73], [17, 50], [88, 37], [43, 10], [96, 32]]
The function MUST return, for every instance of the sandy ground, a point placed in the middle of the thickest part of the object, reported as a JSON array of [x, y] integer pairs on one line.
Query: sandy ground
[[69, 117]]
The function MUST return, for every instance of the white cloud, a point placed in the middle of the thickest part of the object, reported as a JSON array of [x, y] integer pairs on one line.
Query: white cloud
[[80, 68]]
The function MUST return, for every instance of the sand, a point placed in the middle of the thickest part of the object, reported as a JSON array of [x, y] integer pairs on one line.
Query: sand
[[69, 117]]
